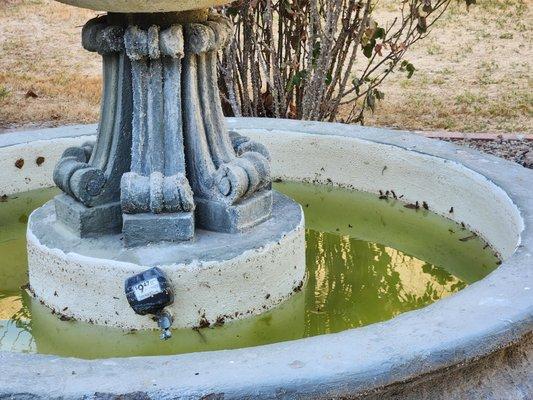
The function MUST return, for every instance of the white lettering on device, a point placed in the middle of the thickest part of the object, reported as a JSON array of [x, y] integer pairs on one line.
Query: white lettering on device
[[146, 289]]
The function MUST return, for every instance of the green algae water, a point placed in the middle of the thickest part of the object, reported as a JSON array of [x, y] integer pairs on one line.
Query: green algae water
[[368, 260]]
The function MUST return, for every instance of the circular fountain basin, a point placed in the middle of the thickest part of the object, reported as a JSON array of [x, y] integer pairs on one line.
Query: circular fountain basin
[[144, 6], [444, 349]]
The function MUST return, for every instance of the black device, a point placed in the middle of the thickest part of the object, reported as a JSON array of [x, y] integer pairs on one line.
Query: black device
[[149, 293]]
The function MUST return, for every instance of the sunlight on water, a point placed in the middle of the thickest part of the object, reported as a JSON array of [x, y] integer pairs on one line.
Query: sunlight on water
[[368, 260]]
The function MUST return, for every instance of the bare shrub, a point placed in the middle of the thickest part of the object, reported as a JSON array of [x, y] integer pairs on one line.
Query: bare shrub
[[305, 59]]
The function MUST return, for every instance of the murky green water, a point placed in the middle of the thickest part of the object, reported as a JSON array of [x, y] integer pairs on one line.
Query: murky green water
[[367, 260]]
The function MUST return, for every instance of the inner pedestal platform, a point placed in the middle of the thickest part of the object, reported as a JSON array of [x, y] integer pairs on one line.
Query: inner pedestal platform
[[216, 277], [165, 185]]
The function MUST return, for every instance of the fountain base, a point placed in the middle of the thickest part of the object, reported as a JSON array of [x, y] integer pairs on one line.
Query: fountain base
[[215, 277]]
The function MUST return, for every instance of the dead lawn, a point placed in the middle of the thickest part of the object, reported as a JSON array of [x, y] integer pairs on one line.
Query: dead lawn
[[473, 74]]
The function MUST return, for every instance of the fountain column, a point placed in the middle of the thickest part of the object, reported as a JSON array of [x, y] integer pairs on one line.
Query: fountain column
[[163, 155], [164, 185]]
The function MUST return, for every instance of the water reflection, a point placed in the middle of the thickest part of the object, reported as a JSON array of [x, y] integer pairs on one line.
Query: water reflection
[[354, 283]]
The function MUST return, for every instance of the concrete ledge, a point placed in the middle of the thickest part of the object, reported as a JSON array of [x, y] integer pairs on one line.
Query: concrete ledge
[[217, 276], [491, 195]]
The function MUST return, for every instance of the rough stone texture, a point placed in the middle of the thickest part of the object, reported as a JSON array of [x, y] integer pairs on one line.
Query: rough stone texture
[[171, 227], [218, 275], [505, 374], [102, 168], [457, 331], [160, 111], [234, 218], [88, 221]]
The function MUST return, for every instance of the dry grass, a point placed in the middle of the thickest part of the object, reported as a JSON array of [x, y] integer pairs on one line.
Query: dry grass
[[41, 52], [473, 74]]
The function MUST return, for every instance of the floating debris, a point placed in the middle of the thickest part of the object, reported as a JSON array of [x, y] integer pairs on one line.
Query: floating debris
[[412, 206], [465, 239], [299, 287]]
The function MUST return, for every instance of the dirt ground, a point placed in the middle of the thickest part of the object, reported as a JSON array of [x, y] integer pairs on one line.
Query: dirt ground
[[473, 73]]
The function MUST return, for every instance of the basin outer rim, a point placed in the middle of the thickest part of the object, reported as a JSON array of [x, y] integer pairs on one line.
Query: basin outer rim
[[326, 365], [144, 6]]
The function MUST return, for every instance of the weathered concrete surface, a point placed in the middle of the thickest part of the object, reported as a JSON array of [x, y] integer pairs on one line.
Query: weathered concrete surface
[[88, 221], [21, 151], [419, 346], [218, 276], [504, 374]]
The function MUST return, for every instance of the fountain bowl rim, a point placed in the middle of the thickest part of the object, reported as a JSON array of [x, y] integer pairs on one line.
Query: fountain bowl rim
[[143, 6]]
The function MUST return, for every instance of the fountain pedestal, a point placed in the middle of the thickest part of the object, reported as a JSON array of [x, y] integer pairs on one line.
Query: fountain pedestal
[[165, 184], [161, 113]]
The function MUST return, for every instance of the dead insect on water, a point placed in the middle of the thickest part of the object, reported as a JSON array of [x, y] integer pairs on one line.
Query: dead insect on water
[[3, 198], [394, 194], [425, 205], [451, 210]]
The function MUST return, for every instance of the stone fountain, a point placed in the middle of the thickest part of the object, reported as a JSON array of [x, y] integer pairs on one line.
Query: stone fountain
[[165, 184], [103, 230]]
